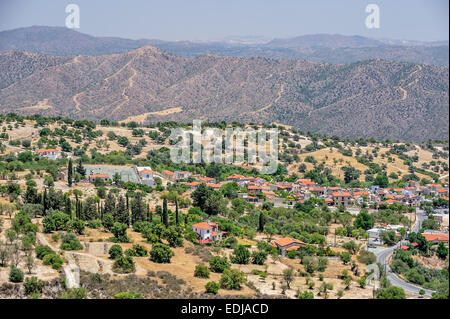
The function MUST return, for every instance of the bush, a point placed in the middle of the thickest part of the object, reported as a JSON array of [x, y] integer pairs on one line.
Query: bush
[[127, 295], [241, 255], [201, 271], [212, 287], [160, 253], [232, 279], [75, 293], [218, 264], [15, 275], [292, 254], [366, 257], [124, 264], [70, 242], [259, 257], [115, 251], [54, 260], [33, 286], [139, 250], [305, 295], [42, 250], [391, 293]]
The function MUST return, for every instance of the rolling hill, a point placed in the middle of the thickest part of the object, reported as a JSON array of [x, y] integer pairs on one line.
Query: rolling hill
[[374, 98]]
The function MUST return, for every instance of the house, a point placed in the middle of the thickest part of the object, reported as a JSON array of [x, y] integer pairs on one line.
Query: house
[[169, 175], [50, 153], [287, 244], [104, 177], [436, 237], [182, 174], [207, 180], [341, 198], [193, 184], [207, 232], [316, 190]]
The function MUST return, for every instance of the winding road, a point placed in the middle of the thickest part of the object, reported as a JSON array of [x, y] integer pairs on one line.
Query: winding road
[[383, 255]]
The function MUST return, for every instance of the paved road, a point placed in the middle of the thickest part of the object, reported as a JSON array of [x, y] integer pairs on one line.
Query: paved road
[[383, 253]]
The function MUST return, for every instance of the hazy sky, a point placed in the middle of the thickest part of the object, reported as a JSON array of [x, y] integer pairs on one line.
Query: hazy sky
[[213, 19]]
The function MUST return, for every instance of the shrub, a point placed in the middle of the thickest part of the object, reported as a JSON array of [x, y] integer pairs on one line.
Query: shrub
[[391, 293], [124, 264], [139, 250], [15, 275], [241, 255], [201, 271], [54, 260], [115, 251], [366, 257], [33, 286], [160, 253], [42, 250], [232, 279], [305, 295], [75, 293], [259, 257], [70, 242], [127, 295], [212, 287], [218, 264], [292, 254]]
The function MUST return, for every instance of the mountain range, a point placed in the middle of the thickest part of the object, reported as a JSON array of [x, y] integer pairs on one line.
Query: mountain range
[[316, 48], [373, 98]]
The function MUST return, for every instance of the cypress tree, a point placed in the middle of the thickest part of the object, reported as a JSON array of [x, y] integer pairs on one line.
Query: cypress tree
[[45, 202], [148, 212], [177, 221], [69, 172], [261, 222], [68, 207], [185, 221], [121, 213], [165, 218]]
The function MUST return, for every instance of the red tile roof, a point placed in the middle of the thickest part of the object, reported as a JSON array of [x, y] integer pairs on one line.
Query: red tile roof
[[287, 241], [438, 237], [204, 225]]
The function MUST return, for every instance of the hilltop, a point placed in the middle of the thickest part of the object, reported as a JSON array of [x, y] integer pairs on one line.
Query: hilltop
[[374, 98]]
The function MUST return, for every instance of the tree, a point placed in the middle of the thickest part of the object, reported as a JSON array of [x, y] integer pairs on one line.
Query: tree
[[160, 253], [137, 209], [200, 196], [261, 222], [241, 255], [69, 172], [177, 217], [232, 279], [115, 251], [33, 286], [124, 264], [363, 220], [80, 169], [392, 292], [381, 180], [345, 257], [442, 251], [201, 271], [259, 257], [165, 217], [15, 275], [121, 213], [288, 276], [218, 264], [119, 231]]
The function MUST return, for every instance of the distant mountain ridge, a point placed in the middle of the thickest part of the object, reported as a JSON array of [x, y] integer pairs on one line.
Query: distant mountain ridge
[[317, 48], [374, 98]]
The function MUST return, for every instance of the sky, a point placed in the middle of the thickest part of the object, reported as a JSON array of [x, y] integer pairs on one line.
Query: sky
[[424, 20]]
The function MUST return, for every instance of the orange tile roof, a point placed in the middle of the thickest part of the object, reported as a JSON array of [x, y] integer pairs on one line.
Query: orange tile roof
[[168, 172], [145, 171], [439, 237], [204, 225], [341, 194], [193, 183], [361, 193], [287, 241], [99, 175], [441, 190], [214, 185], [206, 179], [47, 150]]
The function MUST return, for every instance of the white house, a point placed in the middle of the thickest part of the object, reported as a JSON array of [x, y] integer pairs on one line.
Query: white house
[[50, 153], [207, 232]]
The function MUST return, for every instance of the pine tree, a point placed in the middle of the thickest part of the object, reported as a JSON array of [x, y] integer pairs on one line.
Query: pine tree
[[165, 218], [185, 221], [69, 173], [80, 169]]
